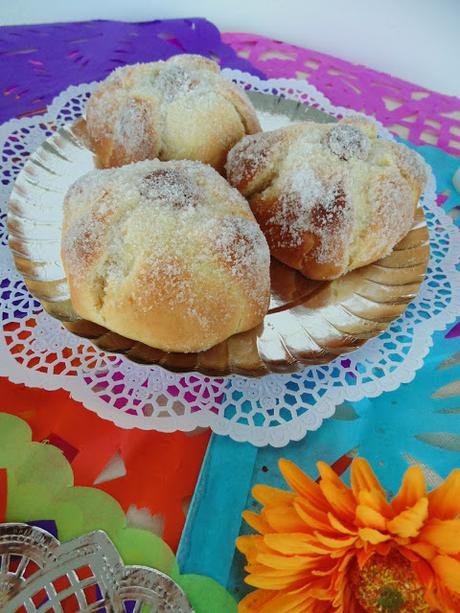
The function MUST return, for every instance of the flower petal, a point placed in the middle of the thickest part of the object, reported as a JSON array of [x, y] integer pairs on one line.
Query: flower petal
[[251, 545], [342, 502], [349, 602], [444, 535], [255, 568], [267, 495], [328, 474], [423, 550], [377, 501], [384, 549], [408, 523], [301, 483], [283, 518], [253, 602], [363, 477], [413, 488], [257, 522], [317, 606], [367, 517], [448, 571], [336, 543], [369, 535], [342, 585], [292, 544], [293, 563], [275, 579], [363, 556], [314, 519], [445, 499], [338, 526], [448, 600], [423, 571], [295, 601], [340, 498], [320, 588]]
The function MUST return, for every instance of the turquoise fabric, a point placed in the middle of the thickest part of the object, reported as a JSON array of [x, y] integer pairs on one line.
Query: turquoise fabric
[[417, 423]]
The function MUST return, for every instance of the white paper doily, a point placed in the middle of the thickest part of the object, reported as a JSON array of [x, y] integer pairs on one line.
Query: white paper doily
[[37, 351]]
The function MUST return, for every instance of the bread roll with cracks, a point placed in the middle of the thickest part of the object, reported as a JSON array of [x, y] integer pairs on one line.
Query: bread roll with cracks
[[328, 197], [178, 109], [165, 253]]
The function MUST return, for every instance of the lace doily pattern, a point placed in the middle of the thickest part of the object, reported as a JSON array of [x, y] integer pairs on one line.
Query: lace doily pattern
[[37, 351]]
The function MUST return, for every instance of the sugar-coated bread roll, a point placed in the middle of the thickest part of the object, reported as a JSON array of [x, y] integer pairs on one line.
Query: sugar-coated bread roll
[[178, 109], [165, 253], [328, 197]]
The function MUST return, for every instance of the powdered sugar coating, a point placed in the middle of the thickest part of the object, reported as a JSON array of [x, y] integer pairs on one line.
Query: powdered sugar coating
[[248, 160], [176, 109], [411, 164], [348, 142], [243, 248], [311, 205], [169, 242], [329, 198]]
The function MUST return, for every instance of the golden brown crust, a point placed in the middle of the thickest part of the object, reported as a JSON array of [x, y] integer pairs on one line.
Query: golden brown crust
[[166, 253], [178, 109], [328, 197]]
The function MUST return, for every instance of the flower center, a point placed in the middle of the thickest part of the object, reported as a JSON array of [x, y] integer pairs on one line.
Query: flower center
[[388, 584], [390, 599]]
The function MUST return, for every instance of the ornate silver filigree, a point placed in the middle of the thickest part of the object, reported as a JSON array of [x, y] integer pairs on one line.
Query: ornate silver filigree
[[85, 574]]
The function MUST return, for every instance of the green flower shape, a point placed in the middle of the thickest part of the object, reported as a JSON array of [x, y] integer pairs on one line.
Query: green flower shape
[[40, 486]]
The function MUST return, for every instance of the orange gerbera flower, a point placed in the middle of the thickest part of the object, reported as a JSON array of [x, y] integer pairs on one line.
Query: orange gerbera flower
[[324, 547]]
